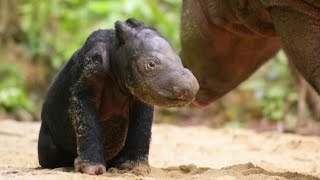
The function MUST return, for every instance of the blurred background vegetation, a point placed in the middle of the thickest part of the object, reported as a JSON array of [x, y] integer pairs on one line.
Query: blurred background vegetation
[[38, 37]]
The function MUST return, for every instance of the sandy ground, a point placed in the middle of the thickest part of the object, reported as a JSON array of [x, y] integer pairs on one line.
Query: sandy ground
[[180, 153]]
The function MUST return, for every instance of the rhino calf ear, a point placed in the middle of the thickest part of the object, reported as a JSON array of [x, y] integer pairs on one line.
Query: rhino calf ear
[[134, 23], [123, 31]]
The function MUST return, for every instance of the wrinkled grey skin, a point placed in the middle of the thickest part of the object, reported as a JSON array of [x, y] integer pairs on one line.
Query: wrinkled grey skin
[[225, 41]]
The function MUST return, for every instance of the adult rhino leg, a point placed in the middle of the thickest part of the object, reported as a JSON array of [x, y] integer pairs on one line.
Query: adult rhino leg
[[300, 37], [219, 58]]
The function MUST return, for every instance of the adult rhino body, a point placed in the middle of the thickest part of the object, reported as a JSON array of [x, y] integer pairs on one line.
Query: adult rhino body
[[225, 41]]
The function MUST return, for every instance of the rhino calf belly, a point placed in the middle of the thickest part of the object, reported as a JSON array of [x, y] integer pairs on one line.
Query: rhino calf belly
[[114, 136]]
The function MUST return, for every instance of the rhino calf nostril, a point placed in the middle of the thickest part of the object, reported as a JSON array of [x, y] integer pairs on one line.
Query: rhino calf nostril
[[183, 92], [180, 92]]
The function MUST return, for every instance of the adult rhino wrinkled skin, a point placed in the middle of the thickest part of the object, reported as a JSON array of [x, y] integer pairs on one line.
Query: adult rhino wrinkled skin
[[225, 41]]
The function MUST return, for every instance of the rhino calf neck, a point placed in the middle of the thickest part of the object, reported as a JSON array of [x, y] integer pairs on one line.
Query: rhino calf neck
[[98, 111]]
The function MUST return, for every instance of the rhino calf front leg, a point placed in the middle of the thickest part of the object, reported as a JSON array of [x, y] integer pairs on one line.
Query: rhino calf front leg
[[88, 135], [134, 155], [300, 37]]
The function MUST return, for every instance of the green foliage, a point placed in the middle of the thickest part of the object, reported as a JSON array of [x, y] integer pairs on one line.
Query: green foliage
[[12, 90], [274, 90], [57, 28], [233, 124]]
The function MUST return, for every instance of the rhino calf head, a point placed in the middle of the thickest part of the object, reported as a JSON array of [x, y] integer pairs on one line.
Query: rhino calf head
[[150, 69]]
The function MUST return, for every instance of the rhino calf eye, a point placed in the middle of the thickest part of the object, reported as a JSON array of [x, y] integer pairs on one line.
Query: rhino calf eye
[[150, 66]]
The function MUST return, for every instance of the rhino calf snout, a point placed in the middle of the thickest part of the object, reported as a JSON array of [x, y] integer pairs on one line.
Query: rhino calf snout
[[186, 86]]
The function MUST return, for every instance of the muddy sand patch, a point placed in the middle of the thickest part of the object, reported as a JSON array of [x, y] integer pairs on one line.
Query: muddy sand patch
[[180, 153]]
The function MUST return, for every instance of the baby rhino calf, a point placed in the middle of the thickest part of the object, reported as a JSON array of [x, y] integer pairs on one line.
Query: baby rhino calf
[[98, 111]]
